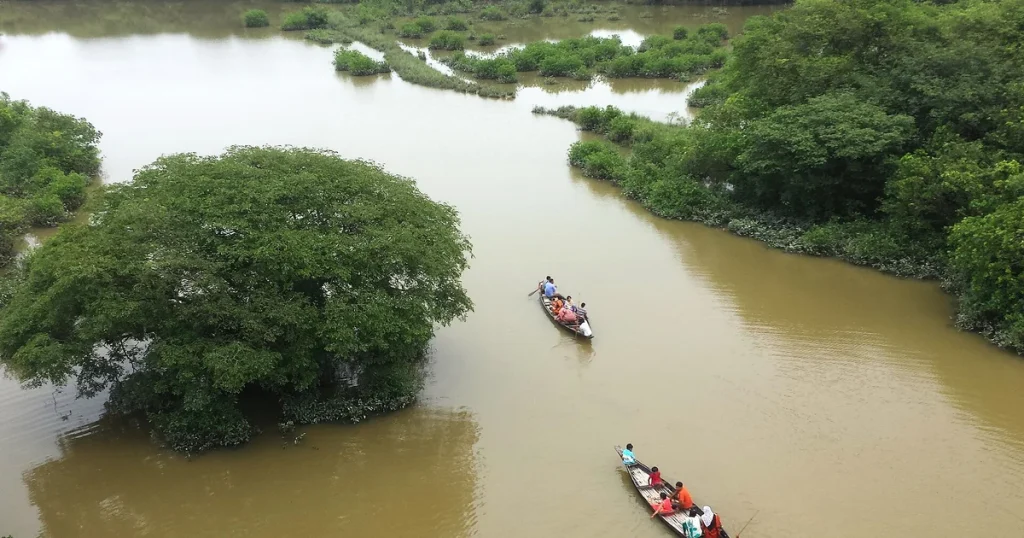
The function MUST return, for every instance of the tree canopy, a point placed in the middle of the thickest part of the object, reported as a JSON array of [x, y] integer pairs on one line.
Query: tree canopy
[[46, 161], [278, 271], [886, 132]]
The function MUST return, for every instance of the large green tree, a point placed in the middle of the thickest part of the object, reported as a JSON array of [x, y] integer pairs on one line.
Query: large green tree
[[281, 271]]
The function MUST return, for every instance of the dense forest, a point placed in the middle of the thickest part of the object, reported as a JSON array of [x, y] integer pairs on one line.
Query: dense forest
[[886, 132]]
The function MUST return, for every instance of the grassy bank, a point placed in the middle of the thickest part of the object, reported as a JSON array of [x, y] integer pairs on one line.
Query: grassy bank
[[643, 176]]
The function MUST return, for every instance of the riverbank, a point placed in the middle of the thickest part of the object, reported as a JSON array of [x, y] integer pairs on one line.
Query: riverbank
[[840, 156]]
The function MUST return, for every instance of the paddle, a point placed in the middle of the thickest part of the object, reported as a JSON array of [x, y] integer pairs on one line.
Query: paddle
[[748, 523], [539, 284]]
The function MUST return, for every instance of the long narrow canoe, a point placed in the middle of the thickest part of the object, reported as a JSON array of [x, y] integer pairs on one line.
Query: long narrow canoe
[[639, 474], [582, 330]]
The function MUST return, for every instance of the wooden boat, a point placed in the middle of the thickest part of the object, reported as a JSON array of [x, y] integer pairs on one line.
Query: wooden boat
[[639, 474], [582, 330]]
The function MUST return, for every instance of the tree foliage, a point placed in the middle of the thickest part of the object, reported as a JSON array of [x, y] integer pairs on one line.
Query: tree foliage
[[889, 133], [282, 271], [46, 161]]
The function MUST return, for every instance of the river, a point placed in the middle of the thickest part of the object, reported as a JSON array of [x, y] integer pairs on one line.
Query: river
[[829, 399]]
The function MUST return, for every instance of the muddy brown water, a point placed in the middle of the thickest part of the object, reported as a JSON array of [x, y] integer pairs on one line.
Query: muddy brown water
[[831, 400]]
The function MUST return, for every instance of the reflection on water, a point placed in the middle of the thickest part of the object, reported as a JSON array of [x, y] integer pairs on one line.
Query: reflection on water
[[350, 481]]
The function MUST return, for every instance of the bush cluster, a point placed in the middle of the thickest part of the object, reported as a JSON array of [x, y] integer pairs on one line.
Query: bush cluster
[[255, 18], [447, 40], [310, 18], [358, 63]]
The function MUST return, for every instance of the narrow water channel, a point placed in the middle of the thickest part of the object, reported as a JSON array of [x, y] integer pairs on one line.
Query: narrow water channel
[[828, 399]]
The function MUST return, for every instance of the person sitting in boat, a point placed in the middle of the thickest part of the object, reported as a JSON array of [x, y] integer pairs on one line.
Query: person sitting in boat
[[654, 479], [556, 305], [682, 497], [627, 455], [692, 525], [566, 315], [581, 312], [711, 524], [664, 507]]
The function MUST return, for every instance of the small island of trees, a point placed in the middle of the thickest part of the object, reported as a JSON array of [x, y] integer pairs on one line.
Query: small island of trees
[[289, 275]]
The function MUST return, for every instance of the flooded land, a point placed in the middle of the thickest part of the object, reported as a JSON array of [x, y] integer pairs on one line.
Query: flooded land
[[832, 400]]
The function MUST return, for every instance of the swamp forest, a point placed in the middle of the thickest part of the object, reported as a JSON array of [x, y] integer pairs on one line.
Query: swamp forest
[[267, 266]]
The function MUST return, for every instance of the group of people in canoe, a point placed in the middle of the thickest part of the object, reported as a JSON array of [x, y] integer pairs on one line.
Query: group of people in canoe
[[562, 307], [700, 523]]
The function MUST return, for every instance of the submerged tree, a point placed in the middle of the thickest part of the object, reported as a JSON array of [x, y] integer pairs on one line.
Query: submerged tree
[[266, 270]]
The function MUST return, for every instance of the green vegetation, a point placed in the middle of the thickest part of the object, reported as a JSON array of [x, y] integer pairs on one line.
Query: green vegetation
[[287, 275], [46, 161], [407, 65], [657, 57], [680, 32], [310, 18], [456, 24], [492, 13], [486, 40], [255, 18], [358, 63], [896, 142], [447, 40]]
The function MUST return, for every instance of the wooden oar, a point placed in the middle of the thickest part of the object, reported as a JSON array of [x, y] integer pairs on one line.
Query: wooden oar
[[748, 523], [536, 290]]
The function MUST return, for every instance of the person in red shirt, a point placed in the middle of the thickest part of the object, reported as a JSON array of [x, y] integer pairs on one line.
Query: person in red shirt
[[654, 479], [682, 496], [664, 507]]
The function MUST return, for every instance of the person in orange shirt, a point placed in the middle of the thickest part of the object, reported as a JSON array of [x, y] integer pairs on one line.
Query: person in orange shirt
[[556, 305], [682, 496]]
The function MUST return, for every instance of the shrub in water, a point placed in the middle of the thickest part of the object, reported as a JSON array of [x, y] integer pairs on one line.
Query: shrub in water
[[255, 18], [426, 24], [714, 32], [447, 40], [456, 24], [358, 63], [410, 30], [486, 40], [679, 32]]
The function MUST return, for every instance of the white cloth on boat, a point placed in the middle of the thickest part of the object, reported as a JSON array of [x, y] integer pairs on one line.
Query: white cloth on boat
[[708, 517], [691, 527]]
